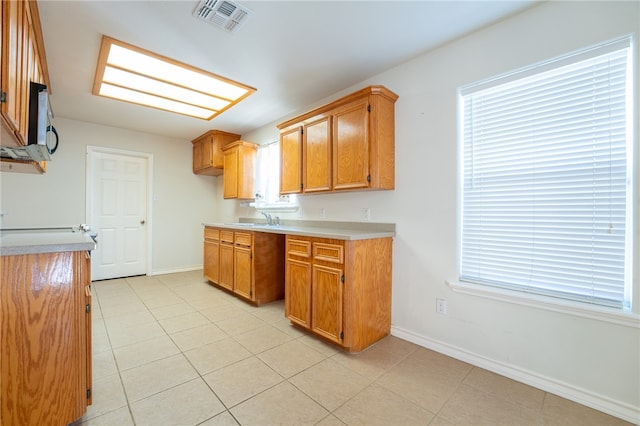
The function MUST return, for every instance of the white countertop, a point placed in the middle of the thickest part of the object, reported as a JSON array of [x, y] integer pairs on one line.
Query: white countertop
[[32, 242], [320, 229]]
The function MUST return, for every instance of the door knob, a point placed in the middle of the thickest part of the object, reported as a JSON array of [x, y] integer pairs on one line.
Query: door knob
[[142, 222]]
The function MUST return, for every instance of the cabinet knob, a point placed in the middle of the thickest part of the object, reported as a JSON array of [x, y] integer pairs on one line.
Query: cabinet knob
[[142, 222]]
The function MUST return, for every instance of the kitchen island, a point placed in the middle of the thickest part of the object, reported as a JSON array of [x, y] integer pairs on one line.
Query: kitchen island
[[337, 275], [45, 329]]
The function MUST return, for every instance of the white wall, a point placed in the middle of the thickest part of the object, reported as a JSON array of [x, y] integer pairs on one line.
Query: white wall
[[182, 200], [592, 361]]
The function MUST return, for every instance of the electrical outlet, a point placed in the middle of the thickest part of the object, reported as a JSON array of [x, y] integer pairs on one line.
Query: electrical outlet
[[366, 214], [441, 306], [323, 213]]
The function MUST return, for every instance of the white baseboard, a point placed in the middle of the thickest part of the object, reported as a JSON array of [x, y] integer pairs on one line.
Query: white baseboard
[[598, 402], [176, 270]]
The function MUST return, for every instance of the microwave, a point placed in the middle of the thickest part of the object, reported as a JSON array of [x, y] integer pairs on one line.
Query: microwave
[[42, 136]]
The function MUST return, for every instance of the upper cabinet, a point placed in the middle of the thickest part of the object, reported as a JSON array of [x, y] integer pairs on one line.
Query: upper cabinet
[[23, 61], [208, 158], [239, 163], [345, 145]]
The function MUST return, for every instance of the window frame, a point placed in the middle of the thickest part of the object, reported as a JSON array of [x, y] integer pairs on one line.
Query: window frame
[[283, 204], [622, 315]]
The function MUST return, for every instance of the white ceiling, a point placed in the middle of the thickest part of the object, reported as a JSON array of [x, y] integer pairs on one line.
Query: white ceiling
[[293, 52]]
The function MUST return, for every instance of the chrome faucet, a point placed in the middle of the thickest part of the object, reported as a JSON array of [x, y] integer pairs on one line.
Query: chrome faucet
[[268, 217]]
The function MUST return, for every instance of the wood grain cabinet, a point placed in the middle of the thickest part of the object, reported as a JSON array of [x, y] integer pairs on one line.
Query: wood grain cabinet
[[23, 60], [226, 259], [249, 264], [211, 262], [45, 336], [208, 158], [239, 163], [339, 290], [348, 144]]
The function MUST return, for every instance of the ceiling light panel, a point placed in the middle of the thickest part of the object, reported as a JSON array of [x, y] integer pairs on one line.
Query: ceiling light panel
[[163, 83], [152, 86]]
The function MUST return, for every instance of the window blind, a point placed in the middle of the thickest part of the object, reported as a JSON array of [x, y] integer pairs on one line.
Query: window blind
[[545, 196]]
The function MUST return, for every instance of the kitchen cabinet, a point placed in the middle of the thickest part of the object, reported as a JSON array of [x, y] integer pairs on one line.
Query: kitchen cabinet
[[208, 158], [226, 259], [242, 264], [239, 163], [291, 161], [251, 264], [23, 61], [316, 150], [211, 254], [305, 157], [45, 336], [348, 144], [339, 289]]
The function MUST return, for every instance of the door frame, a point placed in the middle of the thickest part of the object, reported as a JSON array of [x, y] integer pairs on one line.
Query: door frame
[[91, 150]]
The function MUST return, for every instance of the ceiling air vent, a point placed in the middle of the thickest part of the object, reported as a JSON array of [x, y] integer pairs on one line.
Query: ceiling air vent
[[225, 14]]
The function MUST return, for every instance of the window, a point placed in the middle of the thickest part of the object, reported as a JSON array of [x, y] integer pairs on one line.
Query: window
[[546, 189], [267, 178]]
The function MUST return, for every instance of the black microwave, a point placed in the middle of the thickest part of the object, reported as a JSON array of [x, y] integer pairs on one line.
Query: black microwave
[[41, 131]]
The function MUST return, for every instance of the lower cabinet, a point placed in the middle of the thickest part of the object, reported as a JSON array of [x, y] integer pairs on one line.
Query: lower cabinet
[[45, 338], [249, 264], [211, 254], [339, 289], [226, 260]]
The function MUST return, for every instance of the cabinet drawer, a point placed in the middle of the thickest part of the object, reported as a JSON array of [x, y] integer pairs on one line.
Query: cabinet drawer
[[243, 239], [298, 248], [211, 233], [328, 252], [226, 236]]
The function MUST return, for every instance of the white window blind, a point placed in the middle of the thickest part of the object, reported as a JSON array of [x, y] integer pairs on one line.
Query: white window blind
[[545, 192]]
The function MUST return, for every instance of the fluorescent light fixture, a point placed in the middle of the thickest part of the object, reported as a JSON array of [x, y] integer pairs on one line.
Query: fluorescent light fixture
[[131, 74]]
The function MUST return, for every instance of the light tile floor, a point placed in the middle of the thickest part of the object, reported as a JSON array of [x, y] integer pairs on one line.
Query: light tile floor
[[173, 350]]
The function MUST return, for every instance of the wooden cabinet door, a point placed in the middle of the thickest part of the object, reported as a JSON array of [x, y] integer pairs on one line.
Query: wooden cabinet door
[[298, 291], [245, 170], [212, 260], [199, 159], [226, 266], [42, 339], [21, 64], [291, 161], [239, 164], [230, 174], [316, 161], [351, 146], [13, 28], [89, 365], [243, 282], [206, 153], [326, 306]]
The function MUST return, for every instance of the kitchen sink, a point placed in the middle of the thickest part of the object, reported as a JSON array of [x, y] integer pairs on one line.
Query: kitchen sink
[[247, 224]]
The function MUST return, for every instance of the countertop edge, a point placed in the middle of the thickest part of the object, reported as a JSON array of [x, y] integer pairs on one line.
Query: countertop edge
[[308, 231], [17, 244], [50, 248]]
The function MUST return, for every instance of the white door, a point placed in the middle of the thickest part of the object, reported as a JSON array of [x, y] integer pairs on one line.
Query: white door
[[117, 206]]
